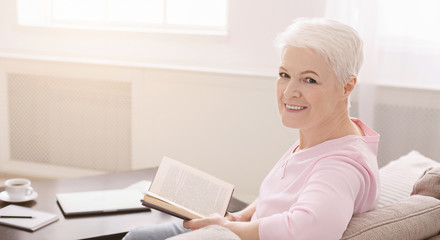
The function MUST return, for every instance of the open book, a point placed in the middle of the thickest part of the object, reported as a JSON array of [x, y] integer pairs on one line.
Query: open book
[[186, 192]]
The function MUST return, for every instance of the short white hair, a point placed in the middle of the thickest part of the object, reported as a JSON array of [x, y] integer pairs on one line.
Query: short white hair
[[340, 44]]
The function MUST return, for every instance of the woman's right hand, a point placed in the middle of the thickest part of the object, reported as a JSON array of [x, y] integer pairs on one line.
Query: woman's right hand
[[233, 217], [244, 215]]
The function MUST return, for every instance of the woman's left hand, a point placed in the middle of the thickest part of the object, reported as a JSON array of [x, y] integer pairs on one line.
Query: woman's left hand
[[214, 219]]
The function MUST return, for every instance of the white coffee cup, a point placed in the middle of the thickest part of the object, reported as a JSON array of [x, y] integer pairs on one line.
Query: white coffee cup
[[18, 188]]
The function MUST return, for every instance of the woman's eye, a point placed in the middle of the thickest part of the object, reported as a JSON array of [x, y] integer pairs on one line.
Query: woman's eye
[[283, 75], [310, 80]]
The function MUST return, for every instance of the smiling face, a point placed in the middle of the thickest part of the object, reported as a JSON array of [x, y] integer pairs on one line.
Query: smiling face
[[309, 93]]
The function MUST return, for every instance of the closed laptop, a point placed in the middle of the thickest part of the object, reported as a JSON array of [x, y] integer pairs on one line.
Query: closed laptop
[[102, 201]]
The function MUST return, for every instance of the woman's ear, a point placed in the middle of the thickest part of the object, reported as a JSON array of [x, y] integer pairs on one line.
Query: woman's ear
[[349, 86]]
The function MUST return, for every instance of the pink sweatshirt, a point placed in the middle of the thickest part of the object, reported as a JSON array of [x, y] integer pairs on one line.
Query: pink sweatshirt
[[313, 193]]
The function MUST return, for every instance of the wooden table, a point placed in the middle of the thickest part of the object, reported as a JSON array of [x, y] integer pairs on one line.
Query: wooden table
[[98, 226]]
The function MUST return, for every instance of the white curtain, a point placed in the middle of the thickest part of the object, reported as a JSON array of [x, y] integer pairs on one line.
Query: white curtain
[[402, 37], [402, 51], [402, 40]]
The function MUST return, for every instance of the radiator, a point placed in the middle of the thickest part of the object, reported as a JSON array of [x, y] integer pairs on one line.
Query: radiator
[[406, 119], [69, 121], [404, 128]]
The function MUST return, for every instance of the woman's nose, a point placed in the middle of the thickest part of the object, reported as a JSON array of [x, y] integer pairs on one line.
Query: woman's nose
[[292, 90]]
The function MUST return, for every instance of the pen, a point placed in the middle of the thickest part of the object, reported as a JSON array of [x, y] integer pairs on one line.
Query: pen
[[15, 216]]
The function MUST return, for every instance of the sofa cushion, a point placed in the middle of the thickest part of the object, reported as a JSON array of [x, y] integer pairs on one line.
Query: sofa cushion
[[416, 217], [428, 184], [398, 177]]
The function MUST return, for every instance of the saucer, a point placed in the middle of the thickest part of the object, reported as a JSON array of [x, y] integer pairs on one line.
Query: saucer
[[5, 197]]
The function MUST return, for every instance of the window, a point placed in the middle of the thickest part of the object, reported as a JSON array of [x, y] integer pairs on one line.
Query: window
[[140, 15]]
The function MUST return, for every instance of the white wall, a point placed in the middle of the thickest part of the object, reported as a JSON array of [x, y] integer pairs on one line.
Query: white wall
[[226, 125], [222, 119]]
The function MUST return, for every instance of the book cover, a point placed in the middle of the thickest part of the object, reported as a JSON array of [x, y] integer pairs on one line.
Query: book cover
[[25, 218], [186, 192]]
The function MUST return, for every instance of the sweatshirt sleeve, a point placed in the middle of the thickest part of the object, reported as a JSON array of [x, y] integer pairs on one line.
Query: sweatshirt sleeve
[[325, 206]]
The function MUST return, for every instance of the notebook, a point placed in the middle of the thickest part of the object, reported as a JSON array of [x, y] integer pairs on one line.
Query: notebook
[[37, 219], [102, 201]]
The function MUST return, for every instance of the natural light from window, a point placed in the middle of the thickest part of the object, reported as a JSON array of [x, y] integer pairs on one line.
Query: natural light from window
[[410, 22], [200, 15], [408, 43]]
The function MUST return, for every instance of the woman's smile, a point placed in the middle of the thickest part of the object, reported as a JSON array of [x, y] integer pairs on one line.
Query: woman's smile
[[294, 108]]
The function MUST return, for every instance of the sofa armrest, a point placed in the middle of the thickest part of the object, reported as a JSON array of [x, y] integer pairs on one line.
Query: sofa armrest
[[416, 217]]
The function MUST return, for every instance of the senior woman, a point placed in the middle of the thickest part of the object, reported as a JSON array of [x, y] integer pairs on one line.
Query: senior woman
[[331, 172]]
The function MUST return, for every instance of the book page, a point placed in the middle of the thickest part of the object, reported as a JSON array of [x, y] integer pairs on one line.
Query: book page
[[154, 201], [191, 188]]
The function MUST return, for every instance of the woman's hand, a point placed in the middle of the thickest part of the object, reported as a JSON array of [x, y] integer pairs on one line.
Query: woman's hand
[[238, 222], [245, 230], [214, 219], [233, 217]]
